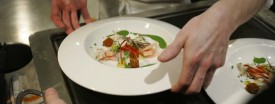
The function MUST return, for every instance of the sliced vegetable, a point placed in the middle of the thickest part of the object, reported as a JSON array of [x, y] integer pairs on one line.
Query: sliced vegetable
[[128, 49]]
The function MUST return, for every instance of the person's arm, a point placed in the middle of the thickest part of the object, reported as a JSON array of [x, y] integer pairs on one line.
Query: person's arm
[[204, 40], [64, 14]]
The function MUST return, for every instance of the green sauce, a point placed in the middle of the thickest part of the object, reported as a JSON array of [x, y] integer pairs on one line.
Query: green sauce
[[259, 60], [160, 40]]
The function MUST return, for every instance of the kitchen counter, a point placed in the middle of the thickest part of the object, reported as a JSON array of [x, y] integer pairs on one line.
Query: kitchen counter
[[24, 18], [21, 18]]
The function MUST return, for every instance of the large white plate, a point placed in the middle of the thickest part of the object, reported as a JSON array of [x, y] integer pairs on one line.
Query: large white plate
[[226, 87], [75, 57]]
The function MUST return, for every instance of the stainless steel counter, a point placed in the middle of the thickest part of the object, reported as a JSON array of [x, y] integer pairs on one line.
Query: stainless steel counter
[[22, 18], [19, 19]]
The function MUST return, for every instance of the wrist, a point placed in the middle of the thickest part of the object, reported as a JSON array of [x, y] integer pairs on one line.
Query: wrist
[[237, 12], [225, 14], [221, 19], [230, 14]]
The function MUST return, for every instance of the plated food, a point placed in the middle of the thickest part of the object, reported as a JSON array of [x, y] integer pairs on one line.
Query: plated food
[[246, 72], [126, 49], [257, 74], [110, 73]]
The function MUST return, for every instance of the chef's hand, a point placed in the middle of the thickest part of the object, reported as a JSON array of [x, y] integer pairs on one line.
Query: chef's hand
[[204, 40], [64, 14], [52, 97]]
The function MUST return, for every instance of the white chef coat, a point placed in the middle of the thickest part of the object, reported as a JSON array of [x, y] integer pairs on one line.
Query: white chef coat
[[110, 8]]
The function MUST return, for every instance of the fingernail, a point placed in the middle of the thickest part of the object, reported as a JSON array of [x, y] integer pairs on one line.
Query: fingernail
[[50, 91]]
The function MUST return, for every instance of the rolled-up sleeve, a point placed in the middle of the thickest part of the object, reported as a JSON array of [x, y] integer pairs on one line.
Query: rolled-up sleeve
[[269, 3]]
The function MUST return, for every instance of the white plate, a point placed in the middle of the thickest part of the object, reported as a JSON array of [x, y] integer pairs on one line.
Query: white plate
[[76, 59], [226, 86]]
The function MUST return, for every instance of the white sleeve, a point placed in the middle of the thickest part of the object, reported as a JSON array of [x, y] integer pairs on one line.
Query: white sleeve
[[269, 3]]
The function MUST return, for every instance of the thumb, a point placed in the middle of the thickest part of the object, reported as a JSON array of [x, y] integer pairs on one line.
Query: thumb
[[52, 97], [171, 51]]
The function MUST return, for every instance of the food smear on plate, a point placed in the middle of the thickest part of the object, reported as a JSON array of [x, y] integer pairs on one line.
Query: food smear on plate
[[130, 49], [258, 74]]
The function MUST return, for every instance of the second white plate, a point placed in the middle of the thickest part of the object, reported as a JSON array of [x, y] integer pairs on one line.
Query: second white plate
[[226, 87]]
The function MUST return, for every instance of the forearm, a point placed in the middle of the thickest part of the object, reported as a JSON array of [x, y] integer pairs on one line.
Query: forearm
[[235, 12]]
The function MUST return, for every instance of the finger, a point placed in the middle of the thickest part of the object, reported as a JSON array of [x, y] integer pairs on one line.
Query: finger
[[188, 69], [86, 16], [74, 20], [209, 76], [199, 77], [52, 97], [55, 15], [69, 31], [67, 22], [173, 49], [170, 52], [51, 94]]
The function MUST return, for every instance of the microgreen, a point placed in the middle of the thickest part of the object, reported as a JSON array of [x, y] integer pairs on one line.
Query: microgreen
[[123, 32]]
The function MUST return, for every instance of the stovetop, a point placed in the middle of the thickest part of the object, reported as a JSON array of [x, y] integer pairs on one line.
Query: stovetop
[[45, 46]]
